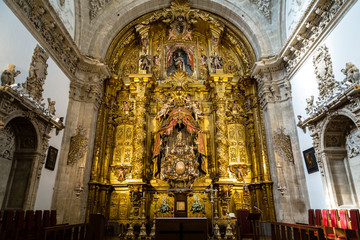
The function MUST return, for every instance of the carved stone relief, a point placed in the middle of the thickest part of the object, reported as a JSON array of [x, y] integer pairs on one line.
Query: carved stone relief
[[7, 143], [37, 74], [86, 92], [78, 146], [43, 22], [264, 6], [95, 6], [324, 73], [353, 144], [282, 145]]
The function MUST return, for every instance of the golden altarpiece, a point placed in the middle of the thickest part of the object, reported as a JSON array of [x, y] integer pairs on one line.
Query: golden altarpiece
[[179, 116]]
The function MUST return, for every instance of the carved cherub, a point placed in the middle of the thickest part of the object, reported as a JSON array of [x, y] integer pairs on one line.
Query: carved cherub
[[171, 34], [126, 107], [8, 75], [165, 107], [310, 105], [198, 113], [51, 107], [351, 72]]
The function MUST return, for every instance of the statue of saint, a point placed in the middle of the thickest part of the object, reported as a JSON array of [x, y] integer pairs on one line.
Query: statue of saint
[[8, 75]]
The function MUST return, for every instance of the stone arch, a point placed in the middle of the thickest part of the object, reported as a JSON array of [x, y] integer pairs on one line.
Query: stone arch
[[339, 175], [103, 29], [19, 163]]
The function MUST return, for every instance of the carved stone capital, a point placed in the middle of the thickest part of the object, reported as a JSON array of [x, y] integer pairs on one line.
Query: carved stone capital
[[273, 85], [86, 92]]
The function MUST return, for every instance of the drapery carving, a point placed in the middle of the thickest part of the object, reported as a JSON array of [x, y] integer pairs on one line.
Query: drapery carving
[[78, 146], [282, 144]]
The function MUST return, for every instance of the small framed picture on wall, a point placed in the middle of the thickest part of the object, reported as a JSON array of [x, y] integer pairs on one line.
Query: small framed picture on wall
[[310, 160], [51, 158]]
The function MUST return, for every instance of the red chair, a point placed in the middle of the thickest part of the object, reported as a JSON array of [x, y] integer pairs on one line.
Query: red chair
[[311, 216], [355, 221], [344, 232], [328, 230], [318, 217]]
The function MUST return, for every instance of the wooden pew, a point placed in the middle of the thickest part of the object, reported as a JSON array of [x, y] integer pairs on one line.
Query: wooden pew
[[287, 231]]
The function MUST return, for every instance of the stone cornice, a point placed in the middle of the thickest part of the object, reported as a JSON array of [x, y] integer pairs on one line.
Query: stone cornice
[[40, 18], [10, 96], [317, 22], [350, 95]]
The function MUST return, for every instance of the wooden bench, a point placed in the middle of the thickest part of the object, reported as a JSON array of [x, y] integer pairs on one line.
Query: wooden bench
[[287, 231]]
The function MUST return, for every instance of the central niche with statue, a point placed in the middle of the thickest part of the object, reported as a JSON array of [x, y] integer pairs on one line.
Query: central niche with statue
[[179, 151], [179, 121]]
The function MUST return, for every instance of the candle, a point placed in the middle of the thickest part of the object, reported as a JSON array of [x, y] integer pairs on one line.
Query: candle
[[132, 194], [227, 193], [155, 194], [204, 195], [143, 194]]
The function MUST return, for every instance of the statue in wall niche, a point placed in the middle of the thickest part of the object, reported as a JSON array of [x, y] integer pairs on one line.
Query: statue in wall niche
[[218, 61], [51, 107], [8, 75], [351, 72], [145, 62], [179, 151]]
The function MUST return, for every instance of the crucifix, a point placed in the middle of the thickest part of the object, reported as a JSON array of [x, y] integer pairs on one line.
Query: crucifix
[[213, 199]]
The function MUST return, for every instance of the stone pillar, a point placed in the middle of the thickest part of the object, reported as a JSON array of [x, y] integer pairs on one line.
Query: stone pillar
[[218, 83], [76, 155], [141, 83], [286, 164]]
